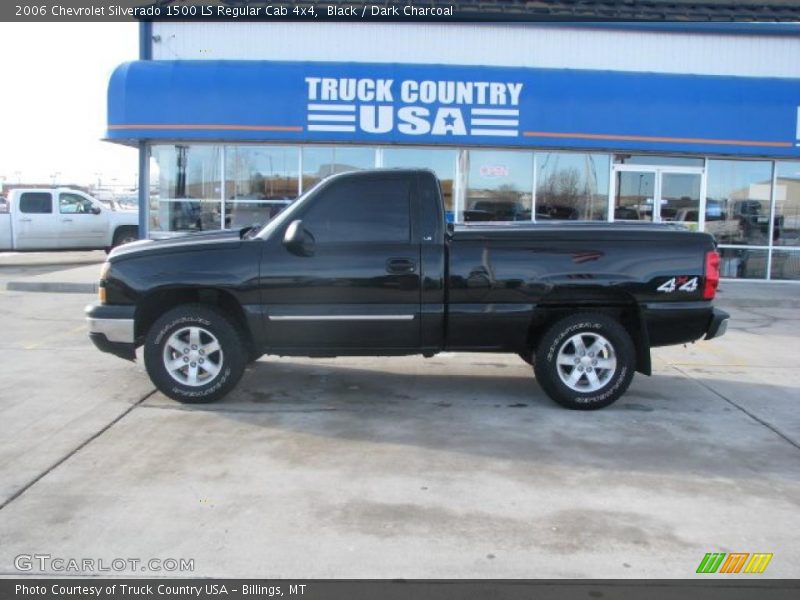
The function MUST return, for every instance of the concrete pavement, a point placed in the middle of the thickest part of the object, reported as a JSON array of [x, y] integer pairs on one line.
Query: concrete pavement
[[456, 466]]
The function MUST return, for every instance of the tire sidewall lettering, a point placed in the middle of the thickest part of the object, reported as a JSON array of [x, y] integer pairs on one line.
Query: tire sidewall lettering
[[614, 332], [221, 327]]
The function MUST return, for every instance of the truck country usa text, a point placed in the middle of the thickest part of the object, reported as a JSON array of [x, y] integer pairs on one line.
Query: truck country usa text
[[410, 107]]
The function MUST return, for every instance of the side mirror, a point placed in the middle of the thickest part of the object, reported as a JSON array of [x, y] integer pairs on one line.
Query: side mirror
[[95, 210], [297, 240]]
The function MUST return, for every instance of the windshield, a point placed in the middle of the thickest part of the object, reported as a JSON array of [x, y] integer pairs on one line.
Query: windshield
[[287, 215]]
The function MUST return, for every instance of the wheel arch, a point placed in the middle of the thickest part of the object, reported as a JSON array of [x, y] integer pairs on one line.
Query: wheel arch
[[617, 304], [121, 228], [156, 303]]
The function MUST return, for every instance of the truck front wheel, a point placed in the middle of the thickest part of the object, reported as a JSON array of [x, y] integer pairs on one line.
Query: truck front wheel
[[125, 235], [194, 354], [585, 361]]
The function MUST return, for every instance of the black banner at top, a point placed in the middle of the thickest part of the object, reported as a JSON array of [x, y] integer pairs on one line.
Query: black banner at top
[[255, 10], [397, 10]]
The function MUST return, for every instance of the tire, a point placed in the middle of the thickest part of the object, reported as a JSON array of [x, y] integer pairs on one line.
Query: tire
[[125, 235], [178, 331], [585, 385]]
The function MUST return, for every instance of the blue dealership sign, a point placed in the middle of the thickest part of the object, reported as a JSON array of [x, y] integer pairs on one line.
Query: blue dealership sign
[[363, 103]]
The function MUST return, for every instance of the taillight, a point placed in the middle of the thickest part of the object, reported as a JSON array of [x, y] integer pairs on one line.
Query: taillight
[[712, 275]]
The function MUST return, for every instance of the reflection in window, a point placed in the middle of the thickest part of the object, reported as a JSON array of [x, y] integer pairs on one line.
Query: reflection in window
[[680, 198], [188, 190], [743, 263], [634, 195], [499, 186], [321, 161], [738, 201], [260, 181], [787, 205], [786, 264], [441, 162], [571, 186]]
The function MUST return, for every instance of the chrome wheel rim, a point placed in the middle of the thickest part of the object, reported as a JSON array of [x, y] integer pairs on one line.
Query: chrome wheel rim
[[192, 356], [586, 362]]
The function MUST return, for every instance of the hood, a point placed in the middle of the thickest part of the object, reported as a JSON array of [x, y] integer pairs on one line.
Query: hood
[[190, 241]]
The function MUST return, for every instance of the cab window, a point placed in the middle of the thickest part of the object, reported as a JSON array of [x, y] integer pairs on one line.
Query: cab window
[[70, 204], [36, 203], [363, 210]]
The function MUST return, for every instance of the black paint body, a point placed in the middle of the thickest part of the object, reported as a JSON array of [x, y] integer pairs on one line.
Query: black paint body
[[472, 288]]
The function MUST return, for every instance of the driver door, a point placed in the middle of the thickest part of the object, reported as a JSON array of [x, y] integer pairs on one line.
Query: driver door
[[360, 287], [81, 222]]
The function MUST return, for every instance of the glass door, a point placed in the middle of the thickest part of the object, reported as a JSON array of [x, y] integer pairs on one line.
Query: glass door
[[634, 195], [679, 198], [657, 194]]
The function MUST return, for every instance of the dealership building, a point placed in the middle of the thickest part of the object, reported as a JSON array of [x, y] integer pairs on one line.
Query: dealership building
[[697, 124]]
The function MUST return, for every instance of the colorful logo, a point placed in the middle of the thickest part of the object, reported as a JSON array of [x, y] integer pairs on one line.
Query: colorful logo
[[736, 562]]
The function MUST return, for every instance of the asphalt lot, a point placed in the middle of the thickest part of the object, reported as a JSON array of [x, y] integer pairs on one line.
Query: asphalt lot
[[456, 466]]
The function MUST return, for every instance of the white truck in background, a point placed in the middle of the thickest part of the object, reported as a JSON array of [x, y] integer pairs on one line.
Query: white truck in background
[[62, 219]]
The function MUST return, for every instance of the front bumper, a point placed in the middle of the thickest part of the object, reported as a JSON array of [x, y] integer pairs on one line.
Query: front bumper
[[718, 324], [111, 329]]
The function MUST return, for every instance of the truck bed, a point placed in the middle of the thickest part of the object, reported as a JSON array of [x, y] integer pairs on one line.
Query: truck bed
[[563, 230]]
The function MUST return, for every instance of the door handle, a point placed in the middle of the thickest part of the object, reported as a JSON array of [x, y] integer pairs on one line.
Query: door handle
[[66, 220], [25, 220], [400, 266]]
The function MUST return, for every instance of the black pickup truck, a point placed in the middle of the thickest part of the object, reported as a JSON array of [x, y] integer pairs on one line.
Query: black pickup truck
[[365, 264]]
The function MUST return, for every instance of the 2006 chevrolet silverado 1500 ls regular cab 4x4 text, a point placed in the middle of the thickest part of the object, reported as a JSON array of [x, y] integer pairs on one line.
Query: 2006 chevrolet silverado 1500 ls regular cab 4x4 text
[[364, 264]]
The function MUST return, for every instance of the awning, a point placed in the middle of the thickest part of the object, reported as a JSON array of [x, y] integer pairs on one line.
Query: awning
[[305, 102]]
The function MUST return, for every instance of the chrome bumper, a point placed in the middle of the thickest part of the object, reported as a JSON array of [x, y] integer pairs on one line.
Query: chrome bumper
[[115, 330]]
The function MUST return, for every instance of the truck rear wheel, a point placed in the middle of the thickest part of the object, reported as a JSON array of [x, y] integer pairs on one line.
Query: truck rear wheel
[[194, 354], [585, 361]]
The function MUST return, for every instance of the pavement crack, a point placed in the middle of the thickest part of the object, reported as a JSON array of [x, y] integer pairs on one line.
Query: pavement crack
[[772, 428], [75, 450]]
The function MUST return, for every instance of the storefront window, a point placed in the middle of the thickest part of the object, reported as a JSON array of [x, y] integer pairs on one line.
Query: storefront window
[[787, 204], [571, 186], [786, 264], [441, 162], [743, 263], [260, 181], [321, 161], [499, 186], [738, 201], [187, 194]]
